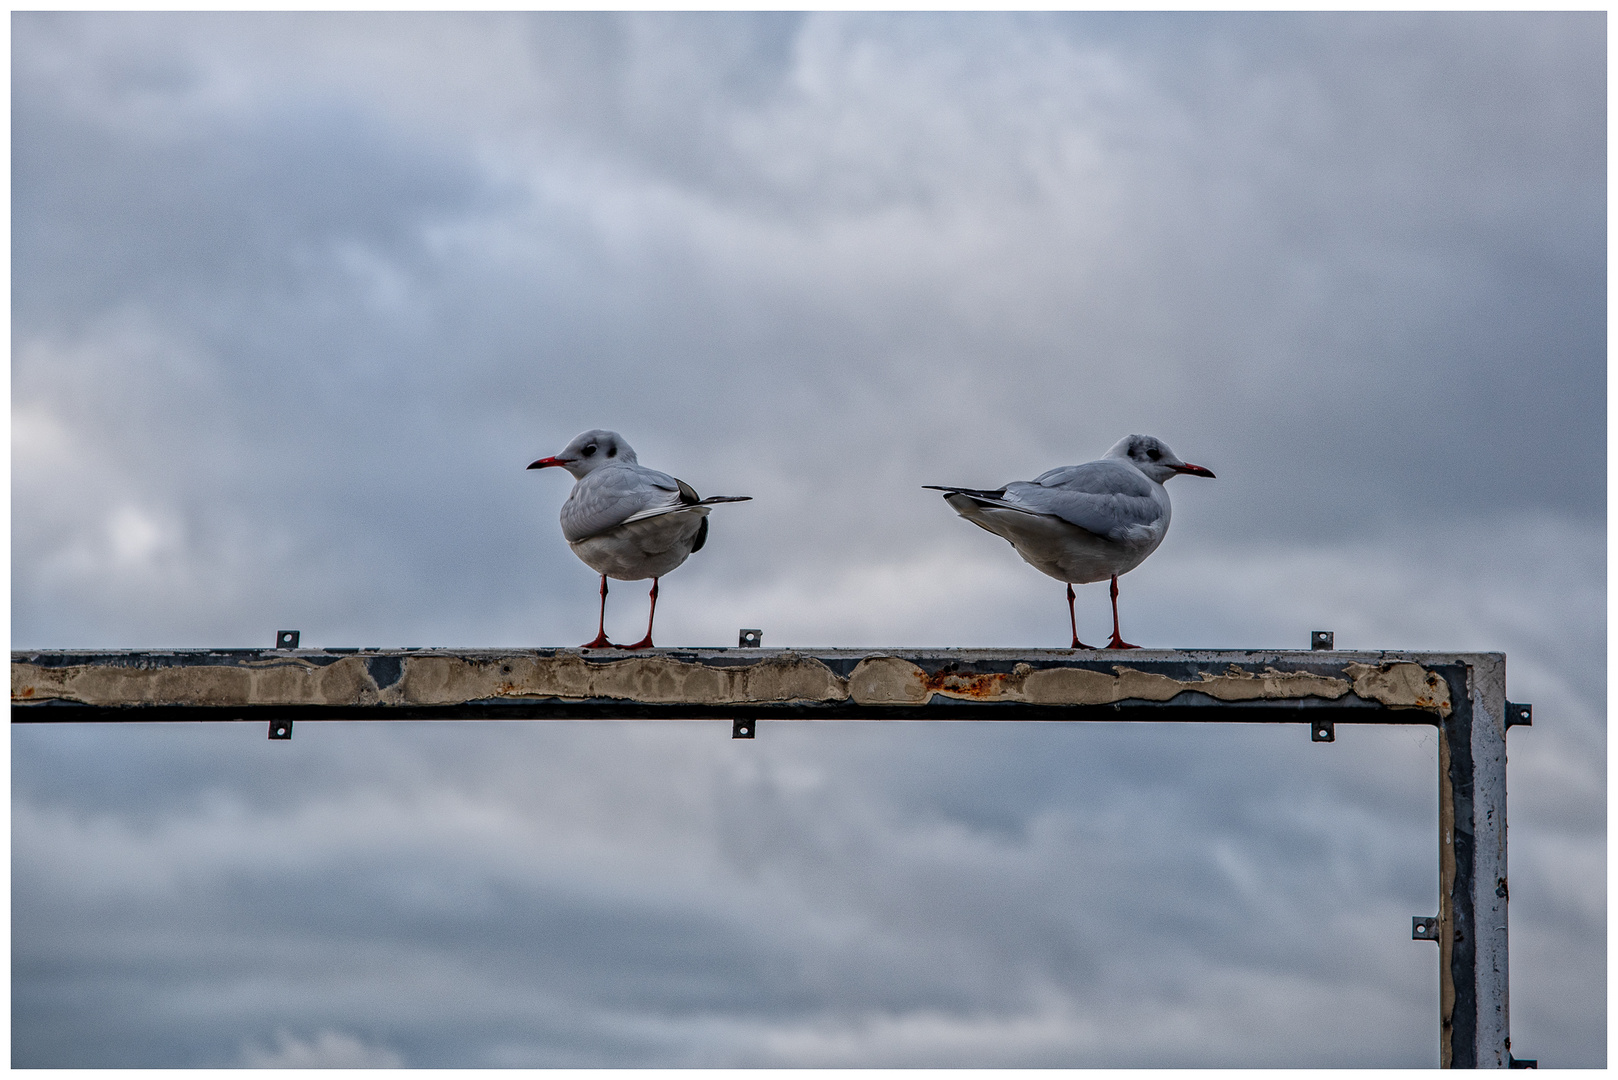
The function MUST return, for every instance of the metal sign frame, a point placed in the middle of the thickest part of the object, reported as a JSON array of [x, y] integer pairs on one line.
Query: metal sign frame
[[1462, 695]]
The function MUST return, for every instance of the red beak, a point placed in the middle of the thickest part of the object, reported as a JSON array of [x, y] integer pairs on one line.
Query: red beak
[[1194, 470], [547, 462]]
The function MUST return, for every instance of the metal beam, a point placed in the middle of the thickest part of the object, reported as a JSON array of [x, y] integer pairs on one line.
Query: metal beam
[[1461, 694], [822, 684], [1475, 1029]]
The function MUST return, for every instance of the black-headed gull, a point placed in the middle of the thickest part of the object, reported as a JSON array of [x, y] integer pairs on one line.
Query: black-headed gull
[[1083, 523], [627, 521]]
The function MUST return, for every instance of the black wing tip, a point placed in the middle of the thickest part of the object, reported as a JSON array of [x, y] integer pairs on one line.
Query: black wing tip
[[725, 498], [969, 492]]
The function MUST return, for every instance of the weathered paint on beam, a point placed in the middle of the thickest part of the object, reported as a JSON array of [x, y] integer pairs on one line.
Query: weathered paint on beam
[[827, 683]]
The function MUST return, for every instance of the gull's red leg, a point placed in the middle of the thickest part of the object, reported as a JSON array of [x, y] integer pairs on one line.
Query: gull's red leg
[[646, 642], [601, 641], [1117, 642], [1073, 621]]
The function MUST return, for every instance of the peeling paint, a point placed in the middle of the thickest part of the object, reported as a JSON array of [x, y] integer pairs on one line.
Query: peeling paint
[[277, 682], [877, 679], [1400, 684], [889, 680], [434, 680]]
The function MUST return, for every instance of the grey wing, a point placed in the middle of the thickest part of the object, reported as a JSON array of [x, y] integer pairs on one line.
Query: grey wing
[[1104, 497], [609, 497]]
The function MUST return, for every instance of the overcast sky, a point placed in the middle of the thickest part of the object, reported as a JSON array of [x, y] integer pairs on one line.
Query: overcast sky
[[297, 297]]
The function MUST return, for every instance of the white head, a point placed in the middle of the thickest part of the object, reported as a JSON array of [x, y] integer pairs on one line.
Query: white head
[[590, 451], [1153, 458]]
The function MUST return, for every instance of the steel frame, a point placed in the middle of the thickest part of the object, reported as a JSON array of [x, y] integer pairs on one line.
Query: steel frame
[[1462, 695]]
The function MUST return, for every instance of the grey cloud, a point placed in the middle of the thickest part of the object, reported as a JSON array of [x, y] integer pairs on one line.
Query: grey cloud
[[297, 296], [805, 896]]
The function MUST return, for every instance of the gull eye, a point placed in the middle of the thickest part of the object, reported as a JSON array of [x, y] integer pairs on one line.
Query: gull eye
[[1154, 453], [590, 450]]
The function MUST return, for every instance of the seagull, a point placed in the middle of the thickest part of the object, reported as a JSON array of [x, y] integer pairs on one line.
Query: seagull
[[627, 521], [1082, 523]]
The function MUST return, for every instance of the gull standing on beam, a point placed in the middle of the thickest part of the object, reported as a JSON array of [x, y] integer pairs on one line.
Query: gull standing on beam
[[627, 521], [1083, 523]]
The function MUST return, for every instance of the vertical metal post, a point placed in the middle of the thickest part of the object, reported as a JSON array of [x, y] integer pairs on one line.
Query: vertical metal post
[[1474, 1028]]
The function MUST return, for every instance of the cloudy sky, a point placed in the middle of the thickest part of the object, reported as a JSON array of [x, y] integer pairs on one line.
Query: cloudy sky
[[296, 297]]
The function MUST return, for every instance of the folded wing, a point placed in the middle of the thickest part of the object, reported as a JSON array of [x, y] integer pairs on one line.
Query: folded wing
[[608, 498], [1106, 498]]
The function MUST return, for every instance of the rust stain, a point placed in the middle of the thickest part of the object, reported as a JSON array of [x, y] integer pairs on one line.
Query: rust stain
[[889, 680], [985, 687]]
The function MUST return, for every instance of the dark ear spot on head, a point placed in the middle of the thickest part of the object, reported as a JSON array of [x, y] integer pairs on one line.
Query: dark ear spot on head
[[612, 451]]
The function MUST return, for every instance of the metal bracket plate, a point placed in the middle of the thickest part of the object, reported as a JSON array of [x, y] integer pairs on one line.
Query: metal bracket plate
[[750, 639], [1424, 928], [280, 729], [286, 639], [1322, 731], [1518, 714], [743, 729], [1321, 639]]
